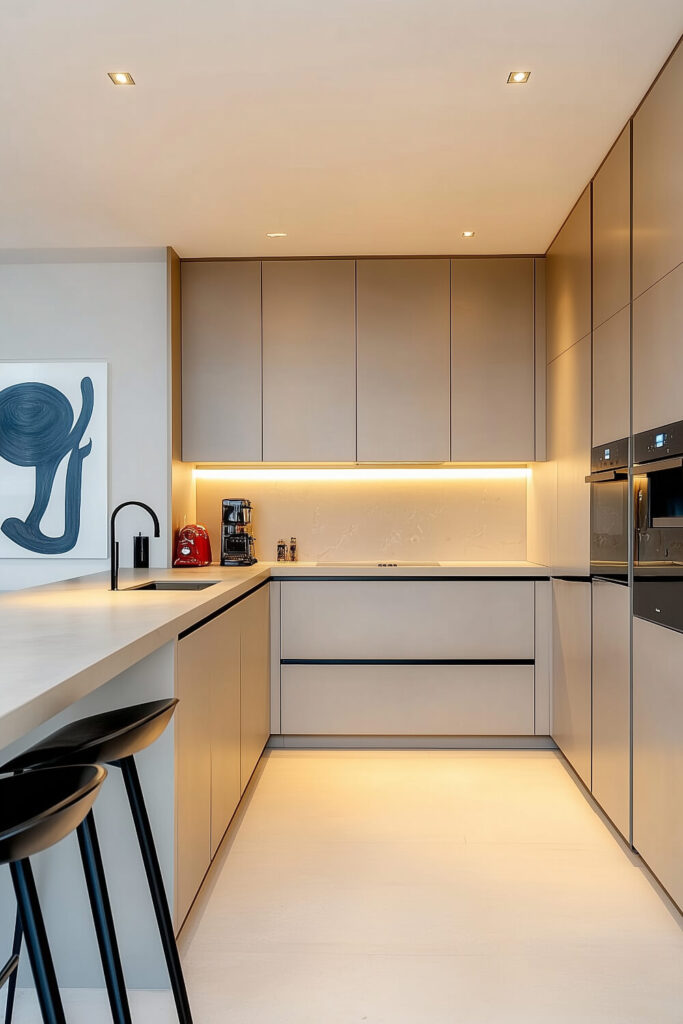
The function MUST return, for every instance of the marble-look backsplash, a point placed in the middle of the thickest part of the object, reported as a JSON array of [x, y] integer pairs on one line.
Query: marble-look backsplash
[[434, 520]]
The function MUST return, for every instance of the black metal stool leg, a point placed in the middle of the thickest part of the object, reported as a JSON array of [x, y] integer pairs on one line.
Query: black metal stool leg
[[36, 943], [12, 982], [156, 886], [104, 922]]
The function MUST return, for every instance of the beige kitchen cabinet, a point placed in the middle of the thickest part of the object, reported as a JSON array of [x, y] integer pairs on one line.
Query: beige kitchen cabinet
[[658, 752], [402, 619], [222, 726], [571, 686], [492, 364], [611, 669], [221, 360], [197, 657], [408, 700], [403, 370], [612, 232], [255, 680], [569, 446], [612, 378], [657, 178], [568, 280], [309, 361], [658, 353], [223, 633]]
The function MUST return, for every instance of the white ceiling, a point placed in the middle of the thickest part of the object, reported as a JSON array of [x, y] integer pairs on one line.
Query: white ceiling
[[356, 126]]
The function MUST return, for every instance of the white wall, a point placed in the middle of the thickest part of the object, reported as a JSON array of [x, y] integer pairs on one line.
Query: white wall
[[99, 304]]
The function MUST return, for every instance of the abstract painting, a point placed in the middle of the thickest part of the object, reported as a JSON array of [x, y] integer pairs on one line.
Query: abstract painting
[[53, 459]]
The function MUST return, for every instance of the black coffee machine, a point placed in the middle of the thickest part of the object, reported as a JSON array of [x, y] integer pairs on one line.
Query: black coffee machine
[[237, 542]]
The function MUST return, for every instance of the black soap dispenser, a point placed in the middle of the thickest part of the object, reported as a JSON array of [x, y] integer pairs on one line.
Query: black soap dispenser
[[140, 552]]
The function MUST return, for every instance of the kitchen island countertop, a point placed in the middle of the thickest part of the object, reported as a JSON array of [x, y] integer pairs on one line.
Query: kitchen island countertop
[[61, 641]]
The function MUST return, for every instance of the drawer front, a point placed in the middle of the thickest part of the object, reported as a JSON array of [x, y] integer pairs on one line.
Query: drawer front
[[391, 619], [408, 700]]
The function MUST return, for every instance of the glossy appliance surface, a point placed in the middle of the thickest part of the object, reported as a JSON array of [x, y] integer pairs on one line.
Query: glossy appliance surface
[[237, 541], [193, 547], [658, 522], [609, 511]]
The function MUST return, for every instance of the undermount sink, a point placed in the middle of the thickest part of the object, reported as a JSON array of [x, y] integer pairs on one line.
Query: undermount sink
[[176, 585]]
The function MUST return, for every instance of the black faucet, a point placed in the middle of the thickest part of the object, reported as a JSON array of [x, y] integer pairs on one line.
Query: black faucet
[[114, 544]]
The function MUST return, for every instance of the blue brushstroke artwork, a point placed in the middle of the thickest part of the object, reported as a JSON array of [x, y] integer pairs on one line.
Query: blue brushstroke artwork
[[37, 429]]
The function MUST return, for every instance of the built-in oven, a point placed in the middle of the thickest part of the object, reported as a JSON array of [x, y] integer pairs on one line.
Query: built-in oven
[[658, 525], [609, 511]]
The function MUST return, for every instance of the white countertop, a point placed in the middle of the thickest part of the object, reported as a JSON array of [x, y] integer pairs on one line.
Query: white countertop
[[61, 641]]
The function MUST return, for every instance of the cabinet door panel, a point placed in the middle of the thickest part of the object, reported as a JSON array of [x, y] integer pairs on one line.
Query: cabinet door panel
[[612, 232], [403, 360], [657, 178], [394, 619], [195, 662], [221, 317], [612, 378], [569, 445], [612, 702], [408, 700], [492, 388], [309, 361], [568, 280], [571, 691], [658, 353], [658, 752], [224, 724], [255, 686]]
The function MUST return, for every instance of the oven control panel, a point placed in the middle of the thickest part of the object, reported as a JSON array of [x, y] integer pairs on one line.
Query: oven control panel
[[610, 456], [660, 443]]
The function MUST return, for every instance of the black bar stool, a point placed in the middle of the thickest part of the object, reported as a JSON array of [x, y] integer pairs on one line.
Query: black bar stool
[[113, 738], [37, 809]]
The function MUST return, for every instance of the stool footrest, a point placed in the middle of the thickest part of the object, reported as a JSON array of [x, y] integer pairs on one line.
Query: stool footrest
[[8, 970]]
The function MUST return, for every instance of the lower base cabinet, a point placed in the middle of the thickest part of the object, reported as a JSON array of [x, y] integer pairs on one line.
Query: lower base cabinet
[[407, 700], [611, 772], [255, 681], [221, 727], [571, 678], [658, 752]]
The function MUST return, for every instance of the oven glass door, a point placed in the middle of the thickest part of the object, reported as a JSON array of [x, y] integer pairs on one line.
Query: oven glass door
[[609, 529]]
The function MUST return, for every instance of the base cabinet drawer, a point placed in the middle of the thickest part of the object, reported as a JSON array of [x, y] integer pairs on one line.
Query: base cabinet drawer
[[394, 619], [408, 700]]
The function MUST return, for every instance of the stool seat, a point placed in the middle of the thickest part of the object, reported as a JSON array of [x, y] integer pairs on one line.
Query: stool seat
[[104, 738], [42, 807]]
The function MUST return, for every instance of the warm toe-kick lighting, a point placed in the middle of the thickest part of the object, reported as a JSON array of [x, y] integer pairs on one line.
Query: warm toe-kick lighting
[[121, 77], [518, 77]]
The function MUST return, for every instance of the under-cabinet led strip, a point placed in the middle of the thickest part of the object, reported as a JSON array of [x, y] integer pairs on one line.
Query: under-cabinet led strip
[[350, 474]]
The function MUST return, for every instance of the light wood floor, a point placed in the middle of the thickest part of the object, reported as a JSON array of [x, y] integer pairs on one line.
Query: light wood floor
[[438, 887]]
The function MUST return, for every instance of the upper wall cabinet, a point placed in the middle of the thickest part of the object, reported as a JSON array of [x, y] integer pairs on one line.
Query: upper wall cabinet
[[309, 361], [403, 389], [221, 317], [568, 280], [657, 178], [658, 354], [612, 232], [492, 366], [612, 378]]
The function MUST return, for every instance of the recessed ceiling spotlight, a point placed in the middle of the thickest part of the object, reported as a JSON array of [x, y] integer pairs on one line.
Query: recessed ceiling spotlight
[[518, 77], [276, 234], [468, 234], [121, 78]]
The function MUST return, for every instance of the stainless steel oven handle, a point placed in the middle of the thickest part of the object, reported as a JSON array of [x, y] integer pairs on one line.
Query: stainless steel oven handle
[[640, 469], [606, 475]]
